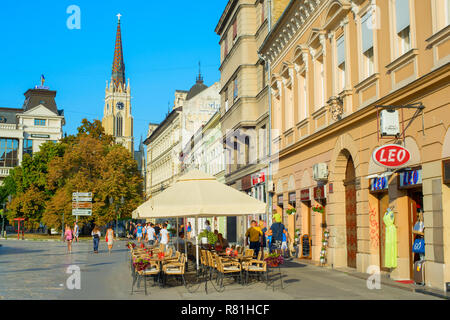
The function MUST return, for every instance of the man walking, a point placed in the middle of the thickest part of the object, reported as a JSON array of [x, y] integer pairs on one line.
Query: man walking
[[255, 235], [151, 234], [277, 230], [164, 236]]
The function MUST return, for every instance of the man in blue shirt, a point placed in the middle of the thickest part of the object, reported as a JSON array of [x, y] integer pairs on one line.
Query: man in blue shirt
[[277, 231]]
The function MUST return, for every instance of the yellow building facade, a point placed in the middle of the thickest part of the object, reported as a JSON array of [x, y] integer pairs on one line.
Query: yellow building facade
[[332, 62]]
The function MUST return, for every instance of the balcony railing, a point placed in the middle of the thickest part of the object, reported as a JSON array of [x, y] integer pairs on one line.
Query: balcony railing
[[4, 172]]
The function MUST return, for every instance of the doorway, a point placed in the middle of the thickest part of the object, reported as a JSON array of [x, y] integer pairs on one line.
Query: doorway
[[350, 213], [415, 210], [383, 204]]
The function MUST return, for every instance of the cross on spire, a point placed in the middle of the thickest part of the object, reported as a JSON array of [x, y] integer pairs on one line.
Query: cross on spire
[[118, 16], [200, 78]]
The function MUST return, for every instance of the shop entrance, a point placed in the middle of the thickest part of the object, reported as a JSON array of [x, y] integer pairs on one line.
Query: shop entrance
[[383, 204], [350, 213], [415, 223]]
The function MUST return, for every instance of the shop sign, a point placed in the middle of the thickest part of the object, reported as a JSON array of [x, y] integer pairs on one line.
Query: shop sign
[[319, 193], [305, 195], [280, 200], [410, 178], [44, 136], [391, 156], [258, 178], [330, 188], [378, 184]]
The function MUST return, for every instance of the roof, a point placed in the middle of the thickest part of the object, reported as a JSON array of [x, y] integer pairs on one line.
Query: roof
[[196, 89], [162, 124], [36, 97], [9, 115]]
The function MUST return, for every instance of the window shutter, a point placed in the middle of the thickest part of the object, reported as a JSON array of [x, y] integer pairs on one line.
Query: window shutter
[[402, 14], [367, 32], [340, 44]]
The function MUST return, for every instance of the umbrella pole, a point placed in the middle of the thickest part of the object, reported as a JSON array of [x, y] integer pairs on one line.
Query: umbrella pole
[[178, 236], [196, 240], [185, 237]]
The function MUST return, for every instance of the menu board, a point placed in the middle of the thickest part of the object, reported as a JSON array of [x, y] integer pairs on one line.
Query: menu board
[[306, 246]]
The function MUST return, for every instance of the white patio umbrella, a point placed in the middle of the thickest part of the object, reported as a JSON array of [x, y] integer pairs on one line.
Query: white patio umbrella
[[198, 194]]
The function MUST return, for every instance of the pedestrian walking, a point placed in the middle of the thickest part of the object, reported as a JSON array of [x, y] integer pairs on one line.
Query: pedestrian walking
[[254, 233], [68, 236], [109, 238], [76, 231], [139, 232], [151, 234], [189, 230], [96, 234], [164, 236], [262, 226]]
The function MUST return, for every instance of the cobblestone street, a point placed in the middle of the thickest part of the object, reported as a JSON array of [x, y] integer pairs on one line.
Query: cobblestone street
[[37, 270]]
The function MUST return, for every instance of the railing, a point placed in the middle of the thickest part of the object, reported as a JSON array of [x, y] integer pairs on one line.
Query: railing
[[8, 126], [4, 172]]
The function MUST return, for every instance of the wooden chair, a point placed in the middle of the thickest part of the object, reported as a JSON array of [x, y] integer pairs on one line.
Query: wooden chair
[[175, 269], [212, 265], [249, 252], [152, 270], [257, 266], [227, 268]]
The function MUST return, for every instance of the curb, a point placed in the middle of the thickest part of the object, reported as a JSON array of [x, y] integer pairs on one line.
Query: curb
[[384, 281]]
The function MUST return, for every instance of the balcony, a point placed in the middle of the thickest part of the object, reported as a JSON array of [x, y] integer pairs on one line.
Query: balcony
[[4, 172]]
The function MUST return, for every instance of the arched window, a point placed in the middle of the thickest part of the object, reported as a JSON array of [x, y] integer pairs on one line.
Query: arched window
[[119, 126]]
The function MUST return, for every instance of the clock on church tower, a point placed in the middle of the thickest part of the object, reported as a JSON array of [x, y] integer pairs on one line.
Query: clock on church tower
[[117, 119]]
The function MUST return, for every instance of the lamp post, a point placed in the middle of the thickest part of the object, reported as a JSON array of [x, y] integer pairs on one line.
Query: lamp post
[[111, 201]]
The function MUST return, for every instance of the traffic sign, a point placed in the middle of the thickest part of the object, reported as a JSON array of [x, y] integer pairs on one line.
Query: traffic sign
[[81, 199], [82, 194], [81, 212], [81, 205]]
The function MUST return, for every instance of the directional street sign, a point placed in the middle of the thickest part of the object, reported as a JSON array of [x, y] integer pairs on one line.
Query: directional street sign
[[82, 203]]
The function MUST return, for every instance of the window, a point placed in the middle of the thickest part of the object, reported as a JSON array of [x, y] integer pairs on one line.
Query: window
[[340, 48], [234, 30], [8, 152], [247, 150], [28, 147], [225, 48], [303, 112], [367, 45], [235, 89], [320, 76], [39, 122], [441, 14], [119, 126], [403, 29], [226, 100], [262, 12]]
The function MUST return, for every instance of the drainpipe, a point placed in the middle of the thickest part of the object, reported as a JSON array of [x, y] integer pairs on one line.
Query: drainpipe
[[269, 173]]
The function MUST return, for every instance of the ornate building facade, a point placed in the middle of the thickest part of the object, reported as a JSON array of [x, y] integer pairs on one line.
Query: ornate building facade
[[117, 118], [24, 130], [332, 63]]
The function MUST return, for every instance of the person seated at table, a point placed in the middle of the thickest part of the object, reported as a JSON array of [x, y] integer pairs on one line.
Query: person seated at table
[[254, 233], [222, 242], [180, 240]]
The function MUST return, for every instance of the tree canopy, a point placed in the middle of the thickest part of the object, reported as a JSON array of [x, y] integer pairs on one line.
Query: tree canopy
[[42, 186]]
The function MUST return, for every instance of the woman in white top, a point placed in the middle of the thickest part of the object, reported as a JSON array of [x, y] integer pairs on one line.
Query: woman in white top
[[164, 236], [96, 238], [109, 238]]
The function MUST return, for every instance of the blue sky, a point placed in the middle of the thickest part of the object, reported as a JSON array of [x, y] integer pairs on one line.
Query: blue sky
[[162, 43]]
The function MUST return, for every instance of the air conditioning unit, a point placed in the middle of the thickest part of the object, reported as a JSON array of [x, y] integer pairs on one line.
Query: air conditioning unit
[[389, 123], [320, 172]]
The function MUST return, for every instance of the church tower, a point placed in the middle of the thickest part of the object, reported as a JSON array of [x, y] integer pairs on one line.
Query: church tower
[[117, 119]]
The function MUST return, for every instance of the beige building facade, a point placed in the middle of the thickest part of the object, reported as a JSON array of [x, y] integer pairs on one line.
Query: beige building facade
[[332, 63], [242, 28]]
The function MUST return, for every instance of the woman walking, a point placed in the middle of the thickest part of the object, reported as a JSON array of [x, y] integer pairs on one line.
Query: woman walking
[[68, 236], [189, 230], [109, 238], [96, 238]]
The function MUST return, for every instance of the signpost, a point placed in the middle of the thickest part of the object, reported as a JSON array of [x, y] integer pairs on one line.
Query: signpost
[[82, 204]]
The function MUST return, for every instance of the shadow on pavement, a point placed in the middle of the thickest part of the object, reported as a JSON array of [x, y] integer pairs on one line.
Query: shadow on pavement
[[10, 250]]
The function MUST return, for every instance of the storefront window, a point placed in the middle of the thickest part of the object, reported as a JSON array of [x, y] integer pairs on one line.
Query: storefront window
[[8, 152]]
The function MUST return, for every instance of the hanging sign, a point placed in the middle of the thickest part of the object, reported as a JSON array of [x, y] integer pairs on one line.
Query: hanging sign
[[319, 193], [391, 156], [378, 184], [280, 200], [292, 197], [410, 178]]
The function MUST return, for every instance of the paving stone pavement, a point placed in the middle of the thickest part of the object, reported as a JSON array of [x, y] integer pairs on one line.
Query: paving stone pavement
[[38, 270]]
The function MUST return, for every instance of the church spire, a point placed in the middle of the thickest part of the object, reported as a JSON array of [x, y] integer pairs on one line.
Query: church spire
[[118, 69], [199, 78]]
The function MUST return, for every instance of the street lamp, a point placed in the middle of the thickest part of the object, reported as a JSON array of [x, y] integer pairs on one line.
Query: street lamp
[[3, 217], [111, 201]]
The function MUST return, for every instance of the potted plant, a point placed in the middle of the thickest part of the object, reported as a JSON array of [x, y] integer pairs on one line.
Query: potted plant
[[323, 251], [318, 208], [131, 245], [326, 234], [291, 211], [274, 259], [322, 259], [324, 242], [207, 237], [141, 264]]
